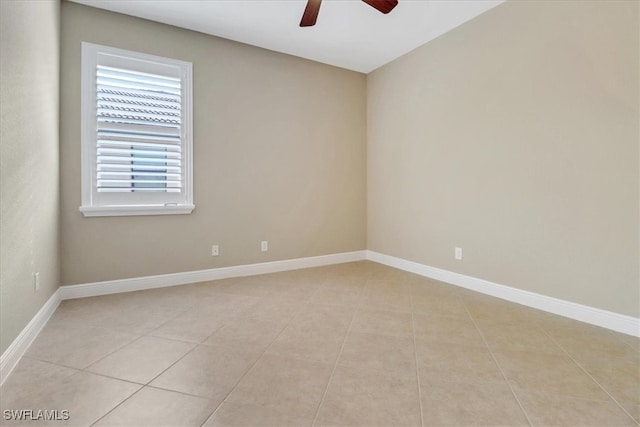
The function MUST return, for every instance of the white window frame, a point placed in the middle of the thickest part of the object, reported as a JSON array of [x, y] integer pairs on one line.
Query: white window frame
[[94, 203]]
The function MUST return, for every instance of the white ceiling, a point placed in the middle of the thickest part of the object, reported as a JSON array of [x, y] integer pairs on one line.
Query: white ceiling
[[348, 34]]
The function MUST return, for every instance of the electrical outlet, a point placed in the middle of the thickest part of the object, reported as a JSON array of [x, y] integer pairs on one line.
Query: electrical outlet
[[458, 254], [215, 250], [36, 282], [264, 246]]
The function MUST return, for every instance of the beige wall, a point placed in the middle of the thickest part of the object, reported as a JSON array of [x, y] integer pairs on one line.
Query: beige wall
[[279, 155], [515, 137], [29, 84]]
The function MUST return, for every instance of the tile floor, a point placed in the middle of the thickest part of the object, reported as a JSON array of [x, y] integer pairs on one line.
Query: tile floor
[[356, 344]]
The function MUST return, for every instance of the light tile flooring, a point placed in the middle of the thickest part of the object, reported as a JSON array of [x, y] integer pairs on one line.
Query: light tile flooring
[[356, 344]]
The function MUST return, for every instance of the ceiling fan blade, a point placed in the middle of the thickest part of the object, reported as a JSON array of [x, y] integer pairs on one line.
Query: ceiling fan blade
[[310, 14], [384, 6]]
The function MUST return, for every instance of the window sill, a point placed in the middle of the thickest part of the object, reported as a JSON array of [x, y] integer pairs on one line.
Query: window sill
[[136, 210]]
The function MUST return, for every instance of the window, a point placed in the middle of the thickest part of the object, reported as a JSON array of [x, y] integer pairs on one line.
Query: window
[[136, 133]]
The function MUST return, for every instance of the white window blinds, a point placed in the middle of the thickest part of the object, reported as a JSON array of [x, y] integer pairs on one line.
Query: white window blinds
[[136, 133]]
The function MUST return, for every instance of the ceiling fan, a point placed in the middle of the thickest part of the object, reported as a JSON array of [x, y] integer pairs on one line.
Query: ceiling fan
[[310, 14]]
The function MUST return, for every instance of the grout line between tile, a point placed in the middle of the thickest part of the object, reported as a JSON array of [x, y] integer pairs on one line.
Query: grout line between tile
[[592, 378], [415, 355], [84, 369], [171, 366], [109, 354], [495, 360], [335, 365], [140, 384], [179, 392], [179, 359], [149, 333], [118, 405], [50, 363], [250, 368], [112, 378]]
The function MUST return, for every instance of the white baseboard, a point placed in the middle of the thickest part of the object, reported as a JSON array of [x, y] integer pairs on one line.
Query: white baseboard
[[164, 280], [19, 346], [595, 316]]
